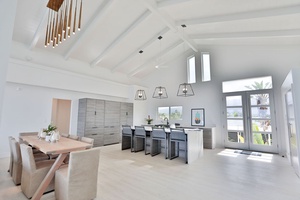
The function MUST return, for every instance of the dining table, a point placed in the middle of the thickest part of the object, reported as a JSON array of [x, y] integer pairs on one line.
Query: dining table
[[62, 148]]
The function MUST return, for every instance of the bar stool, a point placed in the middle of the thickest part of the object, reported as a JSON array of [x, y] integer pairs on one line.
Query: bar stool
[[177, 136], [127, 137], [140, 139], [158, 135]]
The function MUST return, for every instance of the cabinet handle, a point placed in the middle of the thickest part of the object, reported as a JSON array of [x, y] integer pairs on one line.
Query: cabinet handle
[[94, 134], [111, 134]]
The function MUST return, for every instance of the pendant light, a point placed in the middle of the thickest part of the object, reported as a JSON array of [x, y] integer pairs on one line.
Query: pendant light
[[160, 93], [185, 90], [140, 94]]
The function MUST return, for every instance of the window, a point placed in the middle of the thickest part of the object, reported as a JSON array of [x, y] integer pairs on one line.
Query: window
[[205, 66], [191, 69], [247, 84], [172, 113]]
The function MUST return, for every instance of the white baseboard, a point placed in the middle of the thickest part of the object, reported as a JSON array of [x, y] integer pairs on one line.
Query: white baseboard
[[4, 155]]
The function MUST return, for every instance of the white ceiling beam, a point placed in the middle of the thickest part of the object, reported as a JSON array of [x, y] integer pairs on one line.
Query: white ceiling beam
[[121, 37], [173, 57], [152, 6], [38, 31], [165, 3], [242, 16], [143, 47], [101, 11], [252, 34], [159, 54]]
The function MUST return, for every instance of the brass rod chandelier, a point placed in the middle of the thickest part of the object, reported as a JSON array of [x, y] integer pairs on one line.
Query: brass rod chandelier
[[60, 18]]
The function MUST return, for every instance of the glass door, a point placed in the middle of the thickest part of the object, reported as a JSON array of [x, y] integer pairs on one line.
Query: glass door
[[262, 127], [235, 135], [249, 121]]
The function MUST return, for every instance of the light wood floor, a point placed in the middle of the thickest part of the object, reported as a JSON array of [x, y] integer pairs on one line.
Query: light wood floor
[[219, 175]]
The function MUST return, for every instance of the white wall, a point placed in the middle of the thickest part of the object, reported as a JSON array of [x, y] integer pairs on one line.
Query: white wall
[[7, 17], [29, 91], [227, 63]]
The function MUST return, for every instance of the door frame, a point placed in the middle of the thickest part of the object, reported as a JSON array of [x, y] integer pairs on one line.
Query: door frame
[[246, 108]]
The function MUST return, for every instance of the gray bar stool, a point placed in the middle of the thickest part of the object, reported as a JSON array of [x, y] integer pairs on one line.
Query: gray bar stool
[[177, 136], [127, 137], [158, 135], [140, 139]]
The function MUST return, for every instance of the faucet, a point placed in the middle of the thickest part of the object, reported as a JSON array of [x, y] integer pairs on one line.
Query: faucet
[[167, 120]]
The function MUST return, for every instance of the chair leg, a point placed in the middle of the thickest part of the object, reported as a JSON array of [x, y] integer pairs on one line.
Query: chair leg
[[146, 146]]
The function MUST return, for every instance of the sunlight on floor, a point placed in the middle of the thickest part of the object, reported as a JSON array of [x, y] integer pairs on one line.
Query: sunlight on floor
[[265, 157], [256, 156], [228, 152]]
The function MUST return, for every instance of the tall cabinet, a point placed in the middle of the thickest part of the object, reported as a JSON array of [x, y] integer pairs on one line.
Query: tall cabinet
[[102, 120]]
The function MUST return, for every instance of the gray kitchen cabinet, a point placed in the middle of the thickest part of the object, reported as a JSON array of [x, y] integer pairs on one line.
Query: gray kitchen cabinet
[[112, 122], [126, 113], [91, 120], [102, 120], [209, 137]]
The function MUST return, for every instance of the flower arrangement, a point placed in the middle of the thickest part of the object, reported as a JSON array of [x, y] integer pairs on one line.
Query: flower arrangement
[[49, 130], [149, 120]]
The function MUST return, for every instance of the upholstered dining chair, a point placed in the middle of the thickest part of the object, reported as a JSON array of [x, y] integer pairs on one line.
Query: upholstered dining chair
[[78, 181], [17, 161], [177, 136], [74, 137], [140, 139], [26, 134], [33, 172], [158, 135], [87, 140], [10, 169]]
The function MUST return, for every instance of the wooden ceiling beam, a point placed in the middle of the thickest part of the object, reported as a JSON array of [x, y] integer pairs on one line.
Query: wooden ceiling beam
[[241, 16], [101, 11], [249, 34], [159, 54], [166, 3], [142, 47], [168, 21], [140, 19], [39, 30]]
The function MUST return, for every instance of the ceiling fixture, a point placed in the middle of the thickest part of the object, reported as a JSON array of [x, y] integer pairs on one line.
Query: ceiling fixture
[[160, 93], [60, 20], [140, 95], [158, 59], [185, 90]]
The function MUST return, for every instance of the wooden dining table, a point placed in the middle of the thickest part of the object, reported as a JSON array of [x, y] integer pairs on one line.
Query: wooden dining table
[[62, 147]]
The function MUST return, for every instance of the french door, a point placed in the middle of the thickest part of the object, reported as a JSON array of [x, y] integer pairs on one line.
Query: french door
[[249, 121]]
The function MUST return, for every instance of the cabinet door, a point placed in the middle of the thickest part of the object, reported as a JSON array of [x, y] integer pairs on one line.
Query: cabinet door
[[126, 114], [112, 114]]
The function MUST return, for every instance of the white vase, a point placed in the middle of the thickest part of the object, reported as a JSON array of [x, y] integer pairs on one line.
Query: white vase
[[47, 138]]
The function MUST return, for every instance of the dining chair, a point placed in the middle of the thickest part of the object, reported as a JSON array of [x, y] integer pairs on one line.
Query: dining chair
[[33, 172], [66, 135], [17, 161], [177, 136], [127, 137], [158, 135], [73, 137], [26, 134], [140, 139], [10, 169], [88, 140], [78, 180]]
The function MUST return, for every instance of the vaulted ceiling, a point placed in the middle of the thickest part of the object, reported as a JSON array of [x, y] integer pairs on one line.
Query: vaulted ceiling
[[114, 31]]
